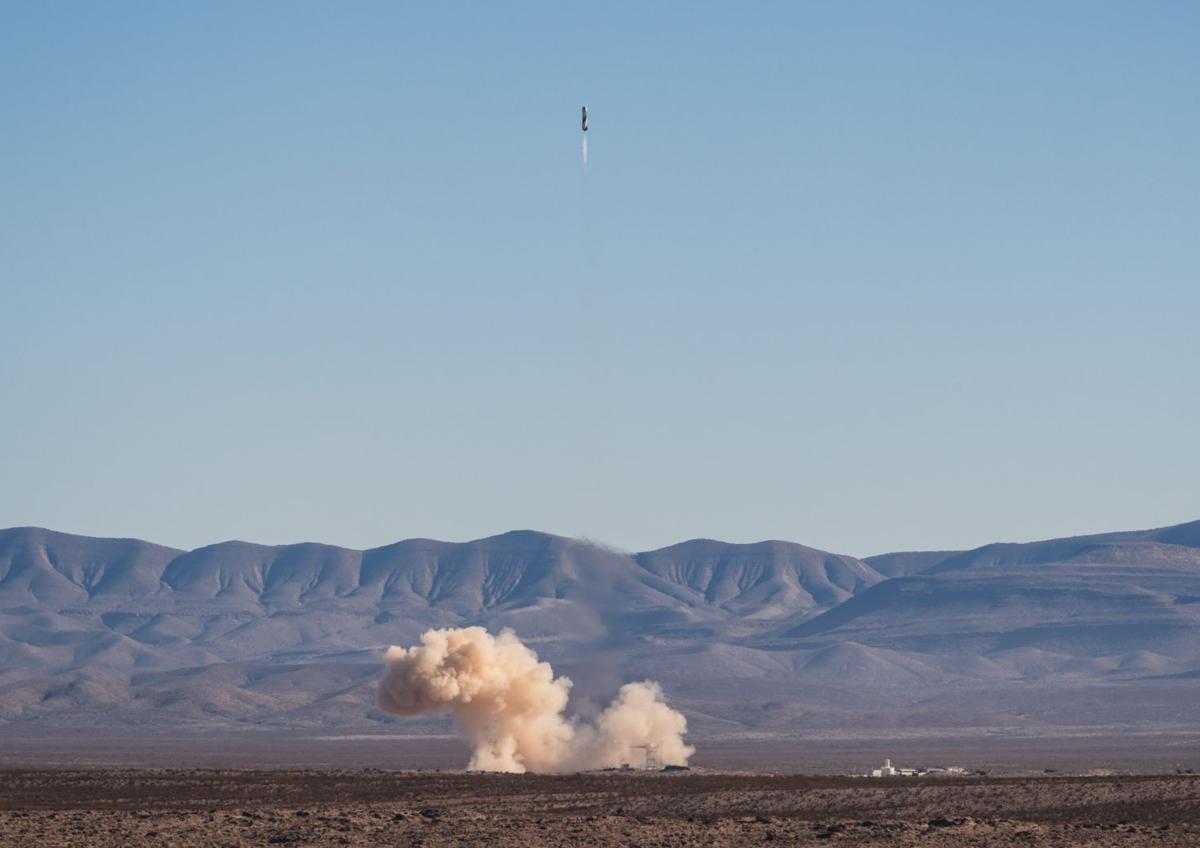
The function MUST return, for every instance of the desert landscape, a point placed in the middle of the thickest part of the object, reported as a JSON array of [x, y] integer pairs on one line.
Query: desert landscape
[[1084, 636], [115, 807], [245, 695], [655, 425]]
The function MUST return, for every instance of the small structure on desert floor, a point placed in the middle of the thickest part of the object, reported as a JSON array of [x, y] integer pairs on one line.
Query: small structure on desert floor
[[888, 770]]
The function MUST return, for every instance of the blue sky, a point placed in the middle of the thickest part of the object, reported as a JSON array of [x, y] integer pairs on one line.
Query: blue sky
[[868, 276]]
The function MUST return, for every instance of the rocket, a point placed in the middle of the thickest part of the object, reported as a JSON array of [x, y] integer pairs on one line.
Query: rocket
[[583, 126]]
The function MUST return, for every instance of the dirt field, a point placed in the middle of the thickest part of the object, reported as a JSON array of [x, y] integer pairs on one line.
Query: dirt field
[[107, 807], [1120, 751]]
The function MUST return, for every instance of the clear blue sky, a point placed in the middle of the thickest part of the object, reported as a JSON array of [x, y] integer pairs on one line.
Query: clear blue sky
[[868, 276]]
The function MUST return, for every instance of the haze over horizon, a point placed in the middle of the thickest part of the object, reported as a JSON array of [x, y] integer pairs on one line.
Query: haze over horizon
[[868, 279]]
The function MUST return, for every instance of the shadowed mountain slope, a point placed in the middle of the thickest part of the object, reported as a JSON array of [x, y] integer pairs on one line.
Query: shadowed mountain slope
[[68, 600], [1059, 550], [45, 568], [765, 637], [1091, 596], [903, 563], [762, 580]]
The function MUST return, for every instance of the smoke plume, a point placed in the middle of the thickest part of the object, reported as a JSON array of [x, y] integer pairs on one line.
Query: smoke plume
[[511, 706]]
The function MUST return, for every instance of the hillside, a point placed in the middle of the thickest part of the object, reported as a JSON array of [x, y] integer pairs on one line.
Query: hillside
[[773, 637]]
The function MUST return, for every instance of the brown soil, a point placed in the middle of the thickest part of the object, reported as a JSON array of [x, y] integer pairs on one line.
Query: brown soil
[[113, 807]]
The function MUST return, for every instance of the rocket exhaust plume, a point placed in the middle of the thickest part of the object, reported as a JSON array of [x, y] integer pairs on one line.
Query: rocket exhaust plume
[[585, 152], [511, 706]]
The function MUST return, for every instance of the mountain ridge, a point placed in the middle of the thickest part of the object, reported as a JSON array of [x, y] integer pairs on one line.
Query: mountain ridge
[[97, 631]]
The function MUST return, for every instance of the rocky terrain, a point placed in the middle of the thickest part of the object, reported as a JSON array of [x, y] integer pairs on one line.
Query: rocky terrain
[[1085, 636], [176, 807]]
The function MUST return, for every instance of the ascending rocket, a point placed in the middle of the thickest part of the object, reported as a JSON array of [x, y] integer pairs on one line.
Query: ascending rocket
[[584, 124]]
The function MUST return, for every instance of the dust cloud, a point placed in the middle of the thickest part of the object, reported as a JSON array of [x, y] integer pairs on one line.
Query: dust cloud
[[512, 707]]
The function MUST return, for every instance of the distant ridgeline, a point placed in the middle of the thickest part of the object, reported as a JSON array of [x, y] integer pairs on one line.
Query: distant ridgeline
[[770, 638]]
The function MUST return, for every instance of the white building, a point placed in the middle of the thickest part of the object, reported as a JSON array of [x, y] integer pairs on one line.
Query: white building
[[886, 771]]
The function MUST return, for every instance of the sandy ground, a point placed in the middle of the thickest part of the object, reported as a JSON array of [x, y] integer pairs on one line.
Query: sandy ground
[[1124, 751], [115, 807]]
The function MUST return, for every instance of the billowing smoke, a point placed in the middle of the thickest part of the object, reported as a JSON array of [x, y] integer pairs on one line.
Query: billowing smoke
[[511, 706]]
